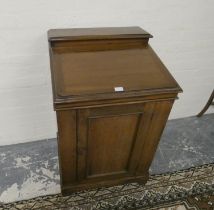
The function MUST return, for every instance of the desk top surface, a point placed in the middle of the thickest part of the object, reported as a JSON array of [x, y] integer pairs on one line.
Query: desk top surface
[[130, 69]]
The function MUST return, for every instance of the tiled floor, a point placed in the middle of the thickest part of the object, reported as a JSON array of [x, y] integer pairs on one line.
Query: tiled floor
[[31, 169]]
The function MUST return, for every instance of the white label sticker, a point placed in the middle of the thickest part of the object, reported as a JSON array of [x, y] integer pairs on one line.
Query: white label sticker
[[118, 89]]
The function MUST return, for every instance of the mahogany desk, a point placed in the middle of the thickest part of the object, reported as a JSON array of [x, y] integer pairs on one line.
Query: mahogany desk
[[112, 97]]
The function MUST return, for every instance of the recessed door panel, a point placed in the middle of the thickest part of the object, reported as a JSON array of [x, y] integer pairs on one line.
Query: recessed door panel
[[110, 143]]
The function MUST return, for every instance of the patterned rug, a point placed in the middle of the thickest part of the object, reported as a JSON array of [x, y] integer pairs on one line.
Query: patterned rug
[[187, 189]]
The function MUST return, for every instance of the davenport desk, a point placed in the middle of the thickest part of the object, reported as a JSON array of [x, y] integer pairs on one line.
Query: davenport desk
[[112, 97]]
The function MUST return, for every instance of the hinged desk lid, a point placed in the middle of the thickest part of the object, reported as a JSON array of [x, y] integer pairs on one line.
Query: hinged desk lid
[[88, 62]]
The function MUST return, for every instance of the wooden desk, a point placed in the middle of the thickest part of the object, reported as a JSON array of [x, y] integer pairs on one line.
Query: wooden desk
[[112, 96]]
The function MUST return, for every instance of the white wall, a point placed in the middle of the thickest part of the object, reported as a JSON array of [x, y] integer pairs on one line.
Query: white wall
[[183, 37]]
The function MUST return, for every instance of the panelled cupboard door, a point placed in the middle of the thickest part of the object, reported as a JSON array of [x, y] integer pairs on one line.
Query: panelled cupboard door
[[111, 140], [106, 139]]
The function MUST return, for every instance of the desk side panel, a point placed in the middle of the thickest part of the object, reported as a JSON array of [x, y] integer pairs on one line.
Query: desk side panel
[[67, 145]]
